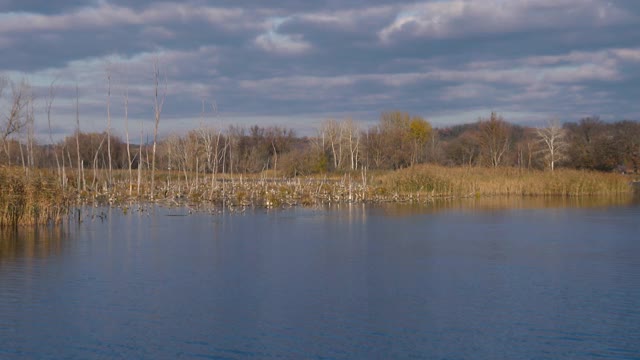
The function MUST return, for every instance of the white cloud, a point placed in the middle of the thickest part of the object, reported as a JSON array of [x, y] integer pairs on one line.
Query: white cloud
[[285, 44], [350, 19], [460, 18], [632, 55], [106, 15], [282, 44]]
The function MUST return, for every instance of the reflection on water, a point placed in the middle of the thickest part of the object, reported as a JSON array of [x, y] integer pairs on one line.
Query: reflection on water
[[511, 203], [38, 242], [549, 278]]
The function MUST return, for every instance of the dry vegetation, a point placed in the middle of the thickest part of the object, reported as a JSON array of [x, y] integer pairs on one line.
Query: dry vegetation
[[477, 181], [39, 198], [30, 198]]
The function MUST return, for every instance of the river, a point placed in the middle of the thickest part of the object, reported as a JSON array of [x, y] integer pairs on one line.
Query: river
[[474, 279]]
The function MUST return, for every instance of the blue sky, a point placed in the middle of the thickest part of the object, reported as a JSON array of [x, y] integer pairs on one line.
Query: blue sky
[[297, 63]]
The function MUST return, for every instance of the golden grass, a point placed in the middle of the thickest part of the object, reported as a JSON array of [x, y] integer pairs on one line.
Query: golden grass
[[39, 198], [476, 181], [31, 199]]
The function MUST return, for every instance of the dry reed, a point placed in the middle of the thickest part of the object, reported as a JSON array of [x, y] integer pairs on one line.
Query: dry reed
[[441, 181], [39, 198], [31, 199]]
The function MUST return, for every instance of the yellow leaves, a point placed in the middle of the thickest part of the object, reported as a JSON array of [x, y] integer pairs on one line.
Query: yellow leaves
[[420, 130]]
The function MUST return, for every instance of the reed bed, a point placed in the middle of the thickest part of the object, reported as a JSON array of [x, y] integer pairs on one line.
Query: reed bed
[[31, 198], [441, 181], [417, 184], [40, 199]]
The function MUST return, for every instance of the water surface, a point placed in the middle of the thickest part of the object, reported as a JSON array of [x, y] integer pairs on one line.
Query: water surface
[[500, 279]]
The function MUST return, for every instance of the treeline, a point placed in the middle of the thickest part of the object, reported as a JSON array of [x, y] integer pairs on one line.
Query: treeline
[[398, 140], [589, 143]]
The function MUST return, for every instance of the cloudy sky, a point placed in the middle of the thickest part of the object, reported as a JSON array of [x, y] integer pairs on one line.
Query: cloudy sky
[[296, 63]]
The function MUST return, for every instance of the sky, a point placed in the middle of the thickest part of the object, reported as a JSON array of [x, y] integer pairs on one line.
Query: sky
[[297, 63]]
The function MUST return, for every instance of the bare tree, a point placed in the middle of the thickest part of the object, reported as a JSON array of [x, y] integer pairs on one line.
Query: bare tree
[[31, 128], [95, 164], [126, 128], [80, 171], [351, 133], [553, 138], [374, 147], [464, 149], [332, 131], [495, 138], [140, 158], [48, 107], [110, 175], [158, 103], [211, 140], [234, 136], [16, 118]]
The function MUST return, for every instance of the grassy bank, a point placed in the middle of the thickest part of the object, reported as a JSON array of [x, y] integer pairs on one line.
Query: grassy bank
[[29, 199]]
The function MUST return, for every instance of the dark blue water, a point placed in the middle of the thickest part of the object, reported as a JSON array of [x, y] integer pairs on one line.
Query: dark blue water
[[483, 282]]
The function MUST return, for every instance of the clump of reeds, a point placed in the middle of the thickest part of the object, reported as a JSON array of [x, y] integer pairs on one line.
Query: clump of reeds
[[439, 181], [31, 200]]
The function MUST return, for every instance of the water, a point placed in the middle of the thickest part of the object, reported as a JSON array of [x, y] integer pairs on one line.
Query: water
[[506, 279]]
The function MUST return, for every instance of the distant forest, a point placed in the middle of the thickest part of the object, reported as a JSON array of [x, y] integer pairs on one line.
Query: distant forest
[[399, 140]]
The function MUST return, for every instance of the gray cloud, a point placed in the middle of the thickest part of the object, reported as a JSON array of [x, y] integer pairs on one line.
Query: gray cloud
[[296, 62]]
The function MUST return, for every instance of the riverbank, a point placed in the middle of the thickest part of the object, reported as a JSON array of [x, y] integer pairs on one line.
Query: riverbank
[[40, 198]]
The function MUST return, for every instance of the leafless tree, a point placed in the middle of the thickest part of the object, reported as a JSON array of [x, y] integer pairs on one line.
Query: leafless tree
[[374, 147], [31, 128], [80, 167], [351, 134], [332, 132], [552, 137], [110, 175], [48, 108], [13, 121], [527, 146], [464, 150], [211, 140], [495, 138], [29, 133], [126, 131], [158, 103], [95, 164], [140, 158]]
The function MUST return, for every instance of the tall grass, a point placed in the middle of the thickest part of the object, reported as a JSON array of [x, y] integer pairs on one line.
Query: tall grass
[[441, 181], [31, 199], [39, 198]]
